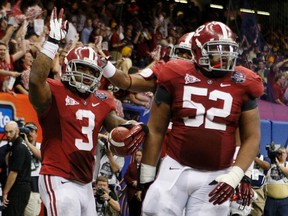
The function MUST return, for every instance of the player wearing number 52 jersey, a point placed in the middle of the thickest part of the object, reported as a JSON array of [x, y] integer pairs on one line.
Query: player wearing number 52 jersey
[[206, 101], [71, 113], [201, 105]]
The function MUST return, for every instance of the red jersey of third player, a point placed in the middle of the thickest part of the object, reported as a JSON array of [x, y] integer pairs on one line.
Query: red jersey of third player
[[201, 104], [76, 137]]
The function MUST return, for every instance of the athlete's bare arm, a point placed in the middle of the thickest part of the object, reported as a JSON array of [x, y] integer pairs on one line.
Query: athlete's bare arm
[[39, 90], [249, 129], [137, 83], [112, 120], [158, 124]]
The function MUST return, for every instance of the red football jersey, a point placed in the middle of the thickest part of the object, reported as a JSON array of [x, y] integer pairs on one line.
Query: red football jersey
[[206, 112], [70, 132]]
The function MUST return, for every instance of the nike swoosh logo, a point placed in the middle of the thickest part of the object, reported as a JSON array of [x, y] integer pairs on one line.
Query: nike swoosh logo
[[224, 85], [94, 105], [64, 182], [174, 168]]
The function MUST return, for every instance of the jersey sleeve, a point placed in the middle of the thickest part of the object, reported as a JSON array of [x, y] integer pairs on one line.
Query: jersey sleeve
[[253, 84]]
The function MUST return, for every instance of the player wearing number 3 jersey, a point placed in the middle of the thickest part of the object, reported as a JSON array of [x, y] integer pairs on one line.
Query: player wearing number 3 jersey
[[206, 102], [71, 113]]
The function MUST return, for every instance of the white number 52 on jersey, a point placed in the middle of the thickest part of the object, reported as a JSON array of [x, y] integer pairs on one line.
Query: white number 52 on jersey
[[214, 95]]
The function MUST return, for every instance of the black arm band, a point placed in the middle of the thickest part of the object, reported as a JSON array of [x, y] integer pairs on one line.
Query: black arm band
[[162, 95], [250, 104]]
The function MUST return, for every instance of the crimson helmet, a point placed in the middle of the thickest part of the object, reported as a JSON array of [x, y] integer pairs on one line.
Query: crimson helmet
[[75, 59], [215, 39], [182, 50]]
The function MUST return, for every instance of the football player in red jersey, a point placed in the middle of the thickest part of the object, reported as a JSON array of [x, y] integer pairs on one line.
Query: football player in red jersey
[[71, 112], [206, 101], [146, 79]]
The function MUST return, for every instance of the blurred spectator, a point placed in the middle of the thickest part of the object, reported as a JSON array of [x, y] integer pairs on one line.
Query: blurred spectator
[[117, 41], [259, 171], [277, 186], [131, 179], [23, 65], [125, 63], [262, 72], [279, 88], [6, 69], [273, 72], [108, 164], [33, 207], [85, 34]]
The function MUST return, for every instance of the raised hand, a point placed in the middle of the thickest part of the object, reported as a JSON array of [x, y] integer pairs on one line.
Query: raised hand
[[57, 28], [57, 31]]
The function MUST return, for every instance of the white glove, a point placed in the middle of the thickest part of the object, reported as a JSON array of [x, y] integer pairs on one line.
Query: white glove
[[57, 32], [58, 29]]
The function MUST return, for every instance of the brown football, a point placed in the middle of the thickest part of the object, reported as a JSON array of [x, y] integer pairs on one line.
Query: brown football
[[118, 133]]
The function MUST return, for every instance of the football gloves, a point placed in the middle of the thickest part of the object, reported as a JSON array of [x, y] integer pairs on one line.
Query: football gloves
[[227, 183], [57, 28], [245, 192], [132, 141], [57, 32]]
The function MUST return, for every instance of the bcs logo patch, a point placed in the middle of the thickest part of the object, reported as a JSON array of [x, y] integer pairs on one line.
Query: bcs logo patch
[[101, 95], [238, 77]]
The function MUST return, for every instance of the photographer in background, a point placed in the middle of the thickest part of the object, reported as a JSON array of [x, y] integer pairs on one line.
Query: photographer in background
[[106, 200], [17, 189], [277, 184], [260, 168], [108, 164], [33, 207]]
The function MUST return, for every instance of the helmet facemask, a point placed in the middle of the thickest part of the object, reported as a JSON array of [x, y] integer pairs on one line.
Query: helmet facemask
[[224, 52], [180, 52], [83, 82]]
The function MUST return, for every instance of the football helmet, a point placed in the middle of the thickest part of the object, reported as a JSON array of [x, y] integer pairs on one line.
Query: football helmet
[[74, 69], [214, 48], [182, 50]]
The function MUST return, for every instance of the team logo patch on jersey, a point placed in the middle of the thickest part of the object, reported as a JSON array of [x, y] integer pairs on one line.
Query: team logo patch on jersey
[[101, 95], [191, 79], [238, 77], [70, 101]]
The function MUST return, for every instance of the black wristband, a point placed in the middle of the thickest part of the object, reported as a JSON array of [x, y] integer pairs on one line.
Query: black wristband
[[52, 40], [246, 179]]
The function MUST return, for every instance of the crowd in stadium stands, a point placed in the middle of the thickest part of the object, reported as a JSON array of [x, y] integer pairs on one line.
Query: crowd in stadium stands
[[128, 32]]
